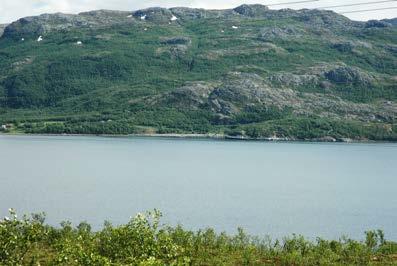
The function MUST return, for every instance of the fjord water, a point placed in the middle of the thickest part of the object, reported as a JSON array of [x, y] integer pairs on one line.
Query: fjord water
[[276, 189]]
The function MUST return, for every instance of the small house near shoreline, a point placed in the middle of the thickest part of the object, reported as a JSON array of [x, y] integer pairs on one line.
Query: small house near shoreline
[[5, 127]]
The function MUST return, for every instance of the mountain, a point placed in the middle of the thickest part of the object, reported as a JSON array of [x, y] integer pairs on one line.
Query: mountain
[[2, 27], [243, 72], [391, 21]]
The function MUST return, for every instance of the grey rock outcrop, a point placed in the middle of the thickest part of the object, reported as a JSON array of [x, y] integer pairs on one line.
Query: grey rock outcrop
[[282, 33], [319, 21], [185, 13], [293, 80], [155, 14], [2, 27], [252, 10], [315, 18], [192, 94], [238, 91], [377, 24], [346, 75], [392, 21], [40, 25]]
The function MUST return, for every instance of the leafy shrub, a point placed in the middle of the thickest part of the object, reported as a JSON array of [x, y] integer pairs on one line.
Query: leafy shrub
[[143, 241]]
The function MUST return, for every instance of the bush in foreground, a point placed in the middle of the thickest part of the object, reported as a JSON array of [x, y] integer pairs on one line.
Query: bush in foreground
[[143, 241]]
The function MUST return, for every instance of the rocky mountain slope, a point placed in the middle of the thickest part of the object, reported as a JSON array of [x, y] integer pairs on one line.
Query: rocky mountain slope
[[244, 72], [2, 27]]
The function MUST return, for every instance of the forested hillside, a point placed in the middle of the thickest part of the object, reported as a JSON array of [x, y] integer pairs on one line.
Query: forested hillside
[[244, 72]]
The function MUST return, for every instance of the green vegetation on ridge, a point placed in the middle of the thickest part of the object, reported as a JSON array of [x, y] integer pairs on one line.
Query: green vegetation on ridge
[[249, 71]]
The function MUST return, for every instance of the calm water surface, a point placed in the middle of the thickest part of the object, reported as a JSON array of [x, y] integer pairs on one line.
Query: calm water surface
[[267, 188]]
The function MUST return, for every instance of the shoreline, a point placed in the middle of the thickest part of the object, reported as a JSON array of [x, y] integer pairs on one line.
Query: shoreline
[[219, 137]]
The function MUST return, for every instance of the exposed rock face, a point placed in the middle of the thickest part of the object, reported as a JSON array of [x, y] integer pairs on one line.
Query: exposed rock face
[[239, 91], [293, 80], [40, 25], [284, 32], [101, 18], [2, 27], [392, 21], [324, 19], [225, 97], [377, 24], [155, 14], [252, 10], [185, 13], [240, 87], [349, 75], [192, 94], [349, 45]]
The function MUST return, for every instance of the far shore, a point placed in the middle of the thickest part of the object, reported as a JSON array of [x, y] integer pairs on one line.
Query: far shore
[[213, 136]]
